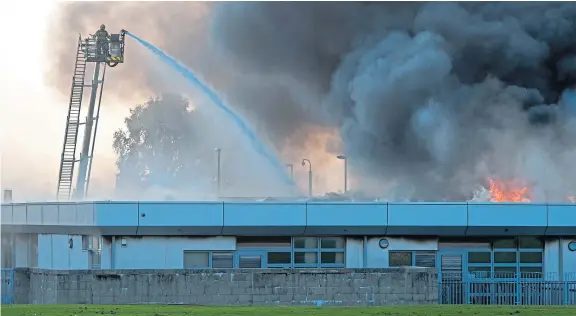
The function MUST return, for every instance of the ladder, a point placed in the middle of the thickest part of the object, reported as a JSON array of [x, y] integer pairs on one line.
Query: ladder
[[68, 158]]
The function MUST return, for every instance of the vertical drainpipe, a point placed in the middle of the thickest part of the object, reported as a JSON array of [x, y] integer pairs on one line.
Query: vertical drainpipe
[[365, 252], [560, 259], [113, 253], [52, 251]]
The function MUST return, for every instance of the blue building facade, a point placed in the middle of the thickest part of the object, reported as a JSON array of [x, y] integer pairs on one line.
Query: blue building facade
[[488, 253], [475, 239]]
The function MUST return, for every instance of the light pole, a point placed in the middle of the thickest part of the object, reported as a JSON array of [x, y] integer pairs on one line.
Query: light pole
[[304, 161], [342, 157], [291, 166], [218, 171]]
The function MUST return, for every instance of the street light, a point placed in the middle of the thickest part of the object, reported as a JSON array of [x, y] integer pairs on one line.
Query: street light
[[304, 161], [342, 157], [218, 172], [291, 166]]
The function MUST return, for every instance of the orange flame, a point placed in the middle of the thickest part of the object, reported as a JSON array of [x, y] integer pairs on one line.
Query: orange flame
[[510, 191]]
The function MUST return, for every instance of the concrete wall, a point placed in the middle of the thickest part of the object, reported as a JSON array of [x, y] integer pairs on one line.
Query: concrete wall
[[229, 287]]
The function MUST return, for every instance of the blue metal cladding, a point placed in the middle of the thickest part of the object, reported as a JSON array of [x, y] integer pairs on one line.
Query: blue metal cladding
[[427, 218], [561, 220], [264, 218], [7, 280], [345, 218], [294, 218], [201, 218]]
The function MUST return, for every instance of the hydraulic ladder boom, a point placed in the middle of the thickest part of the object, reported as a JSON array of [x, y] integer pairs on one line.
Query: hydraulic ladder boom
[[99, 50], [68, 157]]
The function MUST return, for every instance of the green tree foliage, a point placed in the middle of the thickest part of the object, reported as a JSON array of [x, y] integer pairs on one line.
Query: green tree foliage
[[156, 146]]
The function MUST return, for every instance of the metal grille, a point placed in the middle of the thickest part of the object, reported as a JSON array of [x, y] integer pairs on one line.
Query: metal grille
[[451, 264], [512, 290], [222, 260], [250, 262], [425, 259]]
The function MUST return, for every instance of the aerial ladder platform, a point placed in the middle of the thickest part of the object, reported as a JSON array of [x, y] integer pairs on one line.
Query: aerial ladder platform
[[101, 54]]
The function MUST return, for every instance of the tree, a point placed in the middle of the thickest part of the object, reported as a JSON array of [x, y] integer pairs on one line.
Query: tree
[[156, 148]]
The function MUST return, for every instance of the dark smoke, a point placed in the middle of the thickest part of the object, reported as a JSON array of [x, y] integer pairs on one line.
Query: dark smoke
[[433, 96]]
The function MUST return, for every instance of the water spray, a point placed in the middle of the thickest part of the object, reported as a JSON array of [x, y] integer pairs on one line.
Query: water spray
[[256, 143]]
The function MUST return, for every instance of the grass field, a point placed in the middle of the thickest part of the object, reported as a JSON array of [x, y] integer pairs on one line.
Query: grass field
[[161, 310]]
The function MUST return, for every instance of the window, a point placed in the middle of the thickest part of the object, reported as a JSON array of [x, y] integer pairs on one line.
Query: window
[[305, 242], [85, 242], [332, 250], [305, 257], [426, 259], [505, 257], [480, 257], [222, 260], [95, 259], [530, 243], [332, 257], [196, 259], [332, 243], [279, 258], [319, 251], [508, 243], [250, 262], [530, 257], [504, 272], [480, 272], [530, 272], [400, 258]]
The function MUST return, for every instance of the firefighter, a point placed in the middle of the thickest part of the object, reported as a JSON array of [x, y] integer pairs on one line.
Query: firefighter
[[101, 36]]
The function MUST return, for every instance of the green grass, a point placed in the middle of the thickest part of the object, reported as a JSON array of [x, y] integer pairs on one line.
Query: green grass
[[162, 310]]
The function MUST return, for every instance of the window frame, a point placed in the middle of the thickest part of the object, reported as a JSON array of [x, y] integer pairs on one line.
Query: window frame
[[184, 252], [292, 250], [413, 254], [517, 265], [319, 250]]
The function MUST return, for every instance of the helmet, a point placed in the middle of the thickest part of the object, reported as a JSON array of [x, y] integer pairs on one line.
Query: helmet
[[102, 27]]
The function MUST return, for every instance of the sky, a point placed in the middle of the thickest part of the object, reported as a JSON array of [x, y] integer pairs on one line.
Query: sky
[[33, 116]]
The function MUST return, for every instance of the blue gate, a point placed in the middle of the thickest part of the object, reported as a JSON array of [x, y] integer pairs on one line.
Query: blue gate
[[533, 289], [461, 282], [7, 280]]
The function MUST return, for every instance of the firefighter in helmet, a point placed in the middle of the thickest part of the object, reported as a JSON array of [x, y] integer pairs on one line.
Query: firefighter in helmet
[[101, 36]]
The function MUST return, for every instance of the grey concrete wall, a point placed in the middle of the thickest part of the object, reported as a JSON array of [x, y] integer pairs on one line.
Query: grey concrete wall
[[394, 286]]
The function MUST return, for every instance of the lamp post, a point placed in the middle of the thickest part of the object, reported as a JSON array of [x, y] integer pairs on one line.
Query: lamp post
[[342, 157], [291, 167], [218, 170], [304, 161]]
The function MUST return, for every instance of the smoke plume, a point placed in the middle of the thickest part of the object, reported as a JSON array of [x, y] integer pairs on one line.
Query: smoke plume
[[433, 97]]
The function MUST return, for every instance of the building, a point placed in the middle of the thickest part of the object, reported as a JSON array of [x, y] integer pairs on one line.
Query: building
[[476, 240]]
